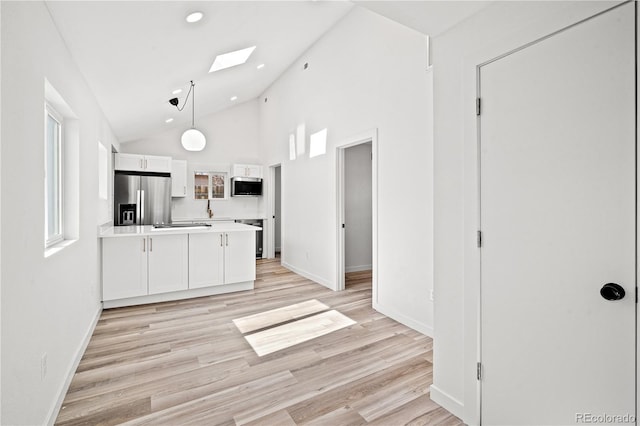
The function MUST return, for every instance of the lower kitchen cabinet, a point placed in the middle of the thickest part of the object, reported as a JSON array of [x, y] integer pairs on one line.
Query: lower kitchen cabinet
[[124, 267], [239, 257], [159, 267], [206, 259], [217, 258], [139, 266], [168, 263]]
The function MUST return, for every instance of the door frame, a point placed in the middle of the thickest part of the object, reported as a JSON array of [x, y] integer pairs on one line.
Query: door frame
[[474, 262], [271, 223], [365, 137]]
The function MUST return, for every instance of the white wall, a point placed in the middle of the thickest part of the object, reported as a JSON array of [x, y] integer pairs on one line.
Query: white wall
[[357, 207], [367, 72], [232, 137], [456, 53], [48, 304]]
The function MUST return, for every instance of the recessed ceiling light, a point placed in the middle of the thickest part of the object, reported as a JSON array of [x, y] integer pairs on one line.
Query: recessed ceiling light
[[233, 98], [231, 59], [194, 17], [260, 66], [168, 120], [177, 91]]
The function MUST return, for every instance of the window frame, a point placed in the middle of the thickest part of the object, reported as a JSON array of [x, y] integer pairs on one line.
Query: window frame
[[52, 239]]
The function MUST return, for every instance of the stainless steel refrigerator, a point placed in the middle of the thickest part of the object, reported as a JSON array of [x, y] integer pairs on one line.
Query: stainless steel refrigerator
[[141, 198]]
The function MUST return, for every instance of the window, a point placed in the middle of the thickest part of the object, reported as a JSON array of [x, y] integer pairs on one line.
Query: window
[[53, 177], [318, 143], [61, 172]]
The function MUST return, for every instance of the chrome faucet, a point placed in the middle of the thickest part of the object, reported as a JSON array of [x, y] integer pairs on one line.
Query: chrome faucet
[[209, 211]]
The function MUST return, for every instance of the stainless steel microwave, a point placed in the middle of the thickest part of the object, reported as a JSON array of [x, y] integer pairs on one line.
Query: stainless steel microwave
[[246, 187]]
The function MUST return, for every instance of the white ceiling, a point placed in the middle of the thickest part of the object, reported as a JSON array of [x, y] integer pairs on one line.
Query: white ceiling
[[430, 17], [133, 54]]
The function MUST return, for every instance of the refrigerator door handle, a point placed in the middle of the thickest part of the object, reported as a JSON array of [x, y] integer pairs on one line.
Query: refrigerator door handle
[[142, 207], [137, 222]]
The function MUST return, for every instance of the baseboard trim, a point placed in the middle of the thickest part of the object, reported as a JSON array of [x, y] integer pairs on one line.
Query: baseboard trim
[[447, 402], [358, 268], [308, 275], [53, 413], [179, 295], [405, 320]]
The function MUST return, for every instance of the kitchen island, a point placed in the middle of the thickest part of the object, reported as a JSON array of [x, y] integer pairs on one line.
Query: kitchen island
[[143, 264]]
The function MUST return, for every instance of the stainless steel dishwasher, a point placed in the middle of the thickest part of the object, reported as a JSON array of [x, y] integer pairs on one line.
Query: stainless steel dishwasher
[[255, 222]]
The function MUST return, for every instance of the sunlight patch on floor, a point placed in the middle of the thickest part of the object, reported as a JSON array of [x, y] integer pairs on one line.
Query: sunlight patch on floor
[[291, 333]]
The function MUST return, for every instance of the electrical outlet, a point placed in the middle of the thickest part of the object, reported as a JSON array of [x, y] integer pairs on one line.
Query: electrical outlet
[[43, 366], [431, 294]]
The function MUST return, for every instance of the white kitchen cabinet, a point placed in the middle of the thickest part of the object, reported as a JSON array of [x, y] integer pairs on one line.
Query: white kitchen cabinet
[[178, 178], [124, 268], [138, 266], [155, 163], [154, 266], [206, 259], [218, 258], [239, 257], [129, 162], [168, 257], [247, 170], [142, 163]]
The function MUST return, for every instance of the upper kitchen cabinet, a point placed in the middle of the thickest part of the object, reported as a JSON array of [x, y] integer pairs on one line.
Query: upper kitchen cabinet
[[247, 170], [178, 178], [143, 163], [211, 185]]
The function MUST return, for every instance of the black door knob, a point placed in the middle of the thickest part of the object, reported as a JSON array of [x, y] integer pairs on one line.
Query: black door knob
[[612, 291]]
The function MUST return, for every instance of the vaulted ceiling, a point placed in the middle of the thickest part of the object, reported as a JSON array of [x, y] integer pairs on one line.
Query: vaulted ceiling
[[134, 54]]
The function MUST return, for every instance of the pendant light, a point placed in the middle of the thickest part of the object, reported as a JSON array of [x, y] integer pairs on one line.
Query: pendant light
[[193, 139]]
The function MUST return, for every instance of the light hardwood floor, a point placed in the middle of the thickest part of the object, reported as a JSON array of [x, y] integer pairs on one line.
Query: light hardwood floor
[[185, 362]]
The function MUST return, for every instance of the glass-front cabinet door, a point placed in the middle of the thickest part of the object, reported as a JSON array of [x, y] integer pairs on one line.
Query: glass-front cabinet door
[[211, 185]]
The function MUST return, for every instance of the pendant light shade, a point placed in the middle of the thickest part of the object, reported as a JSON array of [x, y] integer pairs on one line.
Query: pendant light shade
[[193, 140]]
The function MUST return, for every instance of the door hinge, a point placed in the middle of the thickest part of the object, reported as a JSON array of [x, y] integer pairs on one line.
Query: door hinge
[[478, 106], [479, 238], [479, 371]]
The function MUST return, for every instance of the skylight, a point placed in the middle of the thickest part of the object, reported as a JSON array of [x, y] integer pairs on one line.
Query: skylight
[[231, 59]]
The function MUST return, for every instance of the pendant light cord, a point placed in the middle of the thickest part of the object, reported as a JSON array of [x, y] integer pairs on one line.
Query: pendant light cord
[[187, 98], [193, 104]]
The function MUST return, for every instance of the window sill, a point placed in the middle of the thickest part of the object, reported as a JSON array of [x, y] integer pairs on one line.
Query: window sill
[[50, 251]]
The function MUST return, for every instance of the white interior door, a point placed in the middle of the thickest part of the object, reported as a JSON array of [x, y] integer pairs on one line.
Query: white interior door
[[558, 173]]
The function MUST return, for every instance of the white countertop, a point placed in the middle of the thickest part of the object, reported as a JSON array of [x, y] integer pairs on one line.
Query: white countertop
[[201, 219], [146, 230], [216, 218]]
